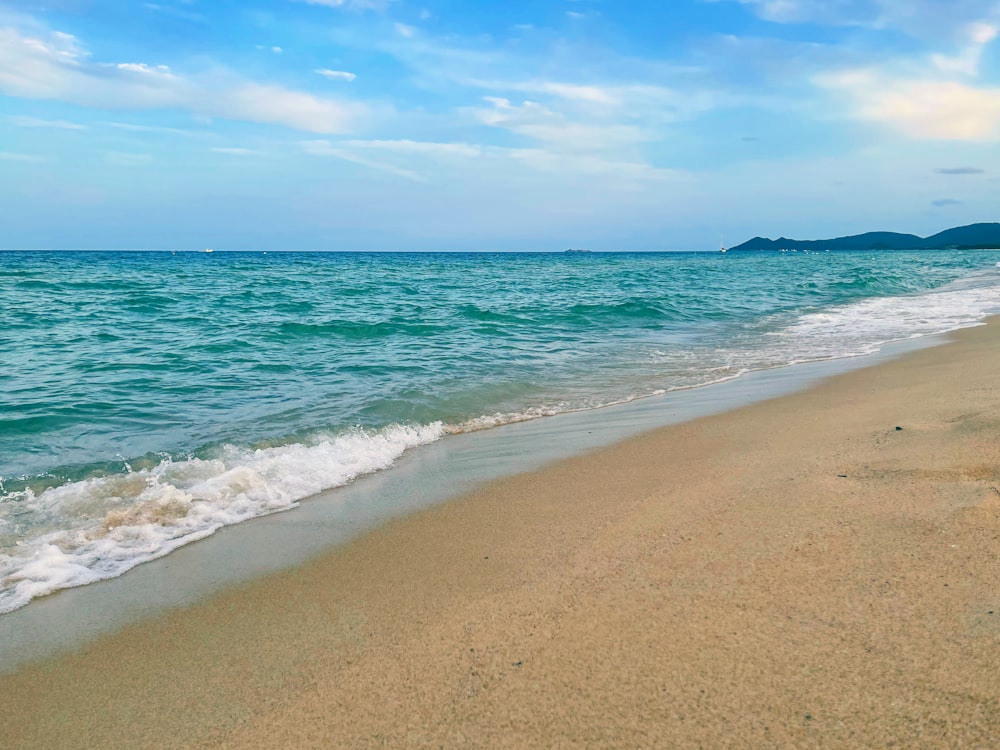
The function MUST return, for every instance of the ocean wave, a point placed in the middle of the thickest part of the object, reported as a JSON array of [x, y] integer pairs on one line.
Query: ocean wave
[[497, 356], [498, 419], [119, 521], [865, 326]]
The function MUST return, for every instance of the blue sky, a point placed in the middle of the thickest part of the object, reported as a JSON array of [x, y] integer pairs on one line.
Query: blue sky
[[457, 125]]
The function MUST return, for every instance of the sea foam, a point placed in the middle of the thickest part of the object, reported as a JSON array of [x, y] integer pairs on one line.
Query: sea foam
[[865, 326], [123, 520]]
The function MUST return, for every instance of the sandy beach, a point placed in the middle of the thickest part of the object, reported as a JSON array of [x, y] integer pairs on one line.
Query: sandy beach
[[818, 570]]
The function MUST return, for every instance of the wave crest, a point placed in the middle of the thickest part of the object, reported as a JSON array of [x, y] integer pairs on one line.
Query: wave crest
[[123, 520]]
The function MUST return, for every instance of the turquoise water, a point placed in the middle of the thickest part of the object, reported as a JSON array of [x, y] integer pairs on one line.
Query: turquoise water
[[146, 399]]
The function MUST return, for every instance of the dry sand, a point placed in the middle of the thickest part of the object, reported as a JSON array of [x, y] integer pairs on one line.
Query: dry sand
[[797, 573]]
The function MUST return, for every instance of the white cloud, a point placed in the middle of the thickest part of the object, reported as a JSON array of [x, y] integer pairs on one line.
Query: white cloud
[[325, 148], [574, 93], [417, 160], [336, 75], [966, 61], [538, 122], [926, 19], [934, 20], [624, 106], [427, 148], [633, 102], [982, 32], [405, 31], [925, 109], [274, 104], [569, 124], [55, 66], [965, 64], [815, 11], [150, 128], [142, 68], [33, 122], [932, 98]]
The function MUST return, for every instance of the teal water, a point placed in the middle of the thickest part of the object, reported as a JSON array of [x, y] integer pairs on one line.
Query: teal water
[[146, 399]]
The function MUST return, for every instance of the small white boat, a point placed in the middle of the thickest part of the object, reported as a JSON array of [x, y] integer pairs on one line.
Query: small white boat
[[209, 250]]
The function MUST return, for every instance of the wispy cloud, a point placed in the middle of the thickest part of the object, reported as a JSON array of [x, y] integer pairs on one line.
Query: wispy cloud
[[142, 68], [55, 65], [424, 148], [422, 161], [325, 148], [552, 92], [539, 123], [943, 202], [161, 129], [572, 120], [930, 19], [932, 97], [966, 60], [336, 75], [33, 122], [632, 100], [853, 12], [960, 170]]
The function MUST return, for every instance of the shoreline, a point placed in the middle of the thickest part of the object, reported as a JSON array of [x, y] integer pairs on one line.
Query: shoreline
[[235, 453], [430, 474], [793, 572]]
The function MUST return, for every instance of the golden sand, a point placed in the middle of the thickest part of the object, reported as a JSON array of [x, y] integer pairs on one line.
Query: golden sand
[[797, 573]]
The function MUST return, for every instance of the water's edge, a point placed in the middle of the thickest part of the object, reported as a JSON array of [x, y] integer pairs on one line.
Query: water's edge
[[425, 476]]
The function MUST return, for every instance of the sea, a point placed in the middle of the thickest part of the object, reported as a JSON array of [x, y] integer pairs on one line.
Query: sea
[[148, 399]]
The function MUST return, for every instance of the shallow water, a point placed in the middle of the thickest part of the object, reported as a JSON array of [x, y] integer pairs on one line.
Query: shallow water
[[147, 399]]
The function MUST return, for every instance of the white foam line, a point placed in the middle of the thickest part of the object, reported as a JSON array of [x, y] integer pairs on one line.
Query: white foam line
[[125, 520]]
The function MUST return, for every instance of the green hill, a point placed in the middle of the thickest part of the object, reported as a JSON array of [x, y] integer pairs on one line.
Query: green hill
[[986, 235]]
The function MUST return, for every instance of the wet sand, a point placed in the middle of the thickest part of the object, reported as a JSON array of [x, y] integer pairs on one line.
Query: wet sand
[[796, 573]]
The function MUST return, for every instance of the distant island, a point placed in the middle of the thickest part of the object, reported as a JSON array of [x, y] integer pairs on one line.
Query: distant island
[[971, 237]]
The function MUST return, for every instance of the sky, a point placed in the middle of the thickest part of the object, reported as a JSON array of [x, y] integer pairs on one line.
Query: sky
[[458, 125]]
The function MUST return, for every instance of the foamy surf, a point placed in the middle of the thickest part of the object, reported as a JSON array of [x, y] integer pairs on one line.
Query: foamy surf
[[864, 327], [121, 521]]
